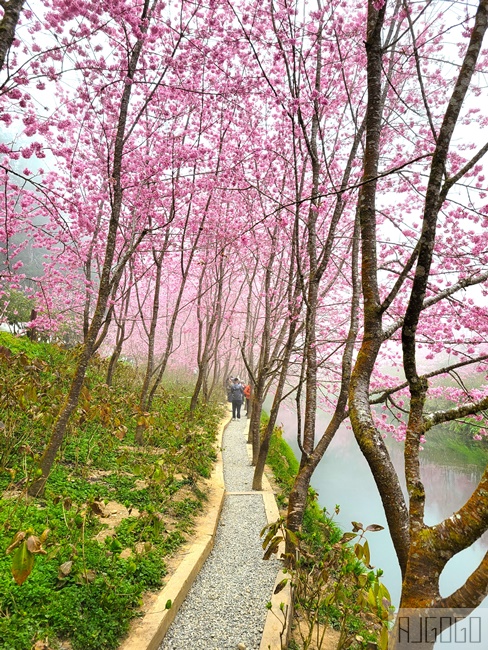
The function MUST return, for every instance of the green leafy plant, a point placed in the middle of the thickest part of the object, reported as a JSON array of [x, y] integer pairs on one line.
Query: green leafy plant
[[331, 583], [25, 546]]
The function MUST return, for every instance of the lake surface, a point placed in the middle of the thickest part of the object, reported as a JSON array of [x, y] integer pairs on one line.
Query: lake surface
[[344, 478]]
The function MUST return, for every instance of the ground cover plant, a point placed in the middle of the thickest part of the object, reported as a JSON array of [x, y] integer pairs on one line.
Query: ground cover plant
[[75, 564], [334, 584]]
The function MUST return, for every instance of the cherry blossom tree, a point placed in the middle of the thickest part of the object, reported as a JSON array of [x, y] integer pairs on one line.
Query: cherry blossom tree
[[405, 125], [417, 294], [300, 185], [126, 193], [311, 73]]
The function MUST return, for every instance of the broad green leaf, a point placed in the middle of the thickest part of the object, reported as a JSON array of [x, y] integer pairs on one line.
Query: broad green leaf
[[281, 585], [292, 537], [358, 550], [363, 579], [366, 554], [384, 592], [371, 598], [268, 538], [384, 639], [22, 563], [272, 548]]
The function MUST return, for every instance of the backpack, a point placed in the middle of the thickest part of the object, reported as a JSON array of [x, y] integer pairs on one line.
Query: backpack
[[236, 391]]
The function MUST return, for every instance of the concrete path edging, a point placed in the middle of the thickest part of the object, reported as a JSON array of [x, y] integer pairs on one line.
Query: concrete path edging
[[148, 632], [277, 628]]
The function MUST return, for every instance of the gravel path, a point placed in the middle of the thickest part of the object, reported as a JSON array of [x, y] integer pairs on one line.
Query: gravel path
[[226, 606]]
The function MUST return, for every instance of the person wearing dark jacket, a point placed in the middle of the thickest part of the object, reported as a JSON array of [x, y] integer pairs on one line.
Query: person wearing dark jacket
[[237, 397]]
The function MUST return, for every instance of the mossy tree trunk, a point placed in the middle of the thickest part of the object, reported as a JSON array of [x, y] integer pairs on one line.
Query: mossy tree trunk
[[422, 551]]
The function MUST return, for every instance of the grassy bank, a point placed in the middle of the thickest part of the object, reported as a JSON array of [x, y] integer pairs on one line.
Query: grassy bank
[[112, 513], [457, 443], [454, 445], [336, 588]]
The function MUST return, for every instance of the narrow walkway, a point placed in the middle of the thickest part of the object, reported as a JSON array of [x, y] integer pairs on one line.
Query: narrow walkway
[[226, 606]]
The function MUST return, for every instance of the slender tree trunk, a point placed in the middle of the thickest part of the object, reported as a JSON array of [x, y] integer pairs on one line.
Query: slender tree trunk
[[298, 496], [257, 400], [257, 481], [169, 341], [206, 336], [88, 274], [36, 488], [114, 357], [120, 334], [146, 384]]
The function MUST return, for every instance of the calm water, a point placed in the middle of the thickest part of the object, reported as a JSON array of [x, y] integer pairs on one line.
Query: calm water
[[343, 477]]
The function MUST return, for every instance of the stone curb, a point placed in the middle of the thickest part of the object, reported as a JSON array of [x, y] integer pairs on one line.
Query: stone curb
[[277, 628], [148, 632]]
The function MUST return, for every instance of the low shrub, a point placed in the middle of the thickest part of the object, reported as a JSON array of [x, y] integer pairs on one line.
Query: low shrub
[[333, 583]]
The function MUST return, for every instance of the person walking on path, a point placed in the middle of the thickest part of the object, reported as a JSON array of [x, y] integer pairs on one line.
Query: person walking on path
[[237, 395]]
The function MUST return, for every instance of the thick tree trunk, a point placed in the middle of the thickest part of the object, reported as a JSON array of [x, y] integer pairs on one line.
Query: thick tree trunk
[[8, 25], [370, 441]]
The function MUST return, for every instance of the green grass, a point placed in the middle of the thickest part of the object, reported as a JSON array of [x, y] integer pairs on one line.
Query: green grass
[[453, 442], [161, 484]]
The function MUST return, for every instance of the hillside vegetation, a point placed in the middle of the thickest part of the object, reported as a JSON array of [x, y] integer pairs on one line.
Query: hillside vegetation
[[112, 513]]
